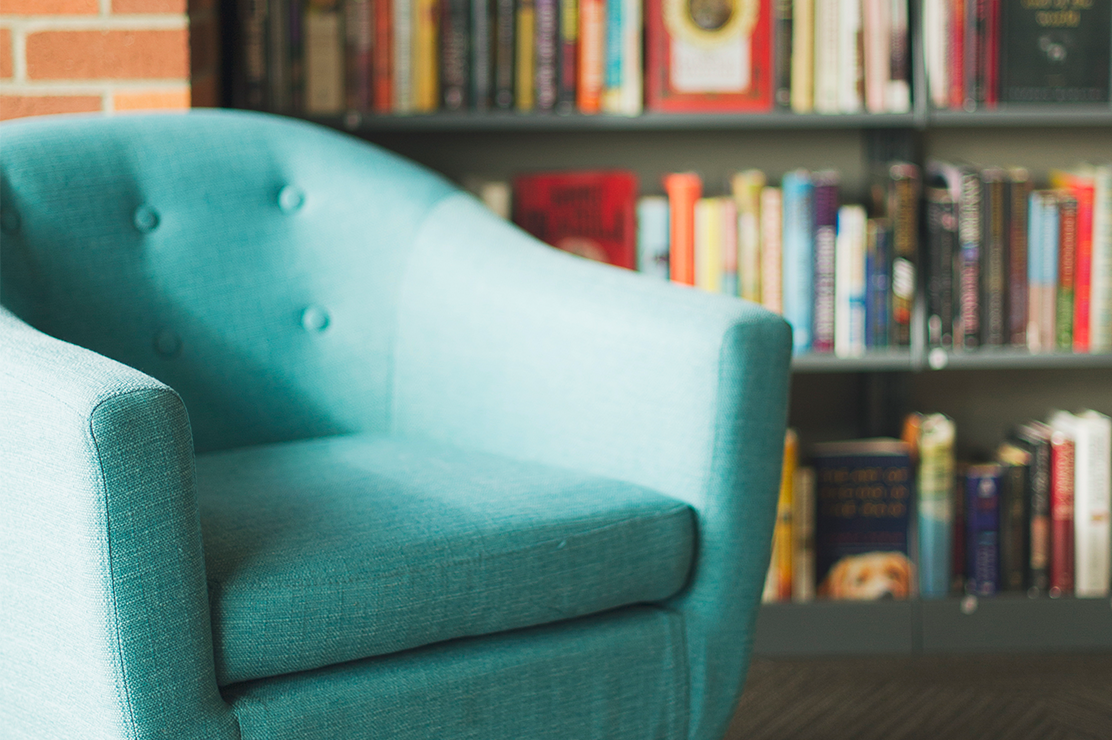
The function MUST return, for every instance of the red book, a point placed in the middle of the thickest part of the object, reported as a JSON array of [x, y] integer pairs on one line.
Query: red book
[[719, 61], [1083, 189], [957, 54], [1061, 514], [383, 52], [590, 213], [992, 54], [683, 188]]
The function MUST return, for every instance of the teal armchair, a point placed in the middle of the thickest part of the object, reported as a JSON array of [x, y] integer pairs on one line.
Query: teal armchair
[[299, 441]]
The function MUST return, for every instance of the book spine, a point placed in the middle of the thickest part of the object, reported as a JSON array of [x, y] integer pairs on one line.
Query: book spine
[[359, 38], [935, 504], [1101, 294], [957, 53], [1093, 506], [935, 57], [1067, 264], [969, 235], [568, 56], [827, 63], [652, 236], [592, 50], [324, 61], [250, 90], [684, 190], [525, 61], [481, 54], [1038, 506], [975, 26], [825, 230], [547, 53], [877, 38], [296, 40], [941, 238], [455, 56], [849, 315], [382, 51], [850, 72], [982, 491], [728, 230], [958, 538], [1083, 276], [426, 68], [631, 95], [1034, 270], [403, 56], [782, 54], [1019, 192], [992, 53], [612, 55], [747, 188], [1048, 321], [904, 209], [1061, 514], [803, 535], [778, 583], [993, 274], [278, 59], [1013, 524], [899, 49], [798, 247], [878, 264], [803, 56], [771, 258], [504, 23], [708, 245]]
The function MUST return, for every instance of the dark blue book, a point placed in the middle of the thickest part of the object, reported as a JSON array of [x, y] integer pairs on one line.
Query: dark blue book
[[863, 495], [982, 528], [878, 294]]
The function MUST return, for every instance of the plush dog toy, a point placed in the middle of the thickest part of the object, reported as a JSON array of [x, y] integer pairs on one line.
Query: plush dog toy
[[873, 575]]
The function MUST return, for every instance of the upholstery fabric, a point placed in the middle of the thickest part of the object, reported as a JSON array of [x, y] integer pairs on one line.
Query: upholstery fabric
[[330, 550], [617, 676], [290, 283]]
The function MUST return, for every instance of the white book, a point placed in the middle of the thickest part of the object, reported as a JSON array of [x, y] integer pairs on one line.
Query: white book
[[878, 54], [1091, 433], [850, 71], [630, 98], [1100, 331], [653, 236], [708, 247], [935, 33], [772, 253], [849, 282], [899, 45], [826, 56]]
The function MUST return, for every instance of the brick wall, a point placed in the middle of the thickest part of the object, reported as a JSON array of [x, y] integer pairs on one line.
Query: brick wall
[[75, 56]]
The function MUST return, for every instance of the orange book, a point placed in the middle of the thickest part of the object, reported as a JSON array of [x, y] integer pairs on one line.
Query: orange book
[[383, 54], [1084, 190], [684, 189], [592, 50]]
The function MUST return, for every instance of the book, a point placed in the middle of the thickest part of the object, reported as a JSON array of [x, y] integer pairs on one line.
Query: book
[[1082, 187], [495, 194], [481, 54], [249, 85], [382, 51], [849, 285], [708, 56], [547, 48], [969, 260], [747, 187], [358, 40], [771, 258], [803, 56], [1034, 438], [623, 69], [827, 62], [588, 213], [455, 54], [878, 269], [778, 582], [1101, 292], [803, 534], [850, 78], [1055, 53], [1042, 270], [876, 38], [279, 56], [592, 55], [1014, 526], [568, 56], [934, 489], [708, 244], [324, 58], [782, 30], [403, 86], [525, 60], [1061, 513], [1067, 266], [982, 526], [504, 40], [936, 21], [863, 492], [825, 189], [899, 48], [1018, 197], [956, 52], [727, 212], [941, 252], [684, 189], [993, 257], [1091, 434], [903, 209], [652, 236], [797, 241], [426, 67]]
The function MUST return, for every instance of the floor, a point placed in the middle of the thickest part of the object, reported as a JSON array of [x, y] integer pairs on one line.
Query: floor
[[1035, 697]]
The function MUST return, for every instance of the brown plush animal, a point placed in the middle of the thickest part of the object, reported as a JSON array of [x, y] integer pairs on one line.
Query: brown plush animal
[[873, 575]]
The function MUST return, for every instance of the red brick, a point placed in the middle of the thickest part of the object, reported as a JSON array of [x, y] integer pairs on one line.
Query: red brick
[[51, 7], [19, 106], [151, 100], [148, 6], [5, 53], [121, 55]]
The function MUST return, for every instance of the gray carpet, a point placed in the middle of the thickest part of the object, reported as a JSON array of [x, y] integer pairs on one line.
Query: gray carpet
[[979, 697]]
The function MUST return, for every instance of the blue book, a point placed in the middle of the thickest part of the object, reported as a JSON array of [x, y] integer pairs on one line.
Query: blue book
[[653, 236], [878, 267], [798, 244], [934, 490], [612, 77], [982, 529]]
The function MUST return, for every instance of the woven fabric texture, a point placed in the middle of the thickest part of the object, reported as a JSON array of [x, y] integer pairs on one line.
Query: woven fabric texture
[[618, 676], [341, 548]]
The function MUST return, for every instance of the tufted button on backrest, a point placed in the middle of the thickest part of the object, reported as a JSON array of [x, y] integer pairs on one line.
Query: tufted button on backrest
[[218, 251]]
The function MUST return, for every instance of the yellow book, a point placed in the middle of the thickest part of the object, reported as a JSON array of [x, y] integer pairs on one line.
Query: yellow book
[[708, 244], [747, 188], [526, 70], [426, 70], [778, 582]]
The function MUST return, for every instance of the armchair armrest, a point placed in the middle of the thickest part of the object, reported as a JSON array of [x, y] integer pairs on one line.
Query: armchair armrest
[[104, 622], [510, 346]]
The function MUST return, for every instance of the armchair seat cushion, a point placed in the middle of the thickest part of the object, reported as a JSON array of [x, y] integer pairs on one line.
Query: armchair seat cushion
[[336, 549]]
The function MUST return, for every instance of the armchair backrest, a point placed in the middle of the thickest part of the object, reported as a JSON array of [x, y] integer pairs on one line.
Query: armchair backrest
[[248, 261]]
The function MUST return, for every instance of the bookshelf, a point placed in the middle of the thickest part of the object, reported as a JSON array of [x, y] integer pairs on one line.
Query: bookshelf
[[985, 391]]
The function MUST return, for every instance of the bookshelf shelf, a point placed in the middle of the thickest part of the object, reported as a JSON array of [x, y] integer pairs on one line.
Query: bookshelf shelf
[[915, 360], [872, 362], [1096, 114], [1002, 623]]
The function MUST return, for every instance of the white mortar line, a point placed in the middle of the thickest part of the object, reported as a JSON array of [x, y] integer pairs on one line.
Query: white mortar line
[[161, 22]]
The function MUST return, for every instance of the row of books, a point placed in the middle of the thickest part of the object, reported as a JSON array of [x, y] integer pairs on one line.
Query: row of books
[[980, 53], [321, 57], [1010, 265], [888, 518], [1002, 264]]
